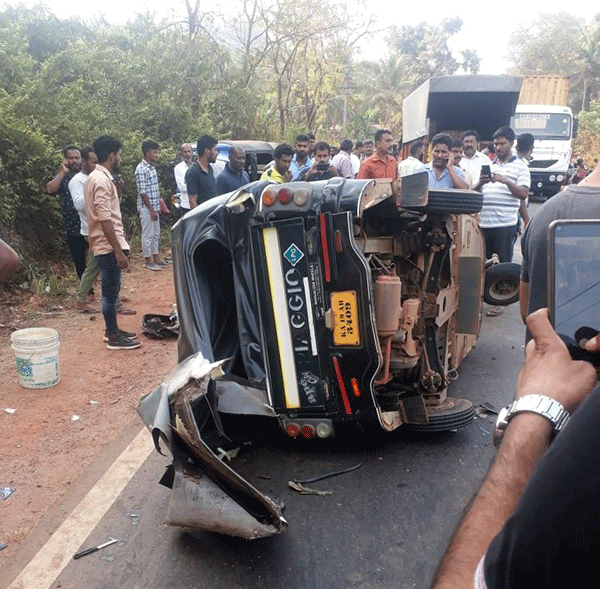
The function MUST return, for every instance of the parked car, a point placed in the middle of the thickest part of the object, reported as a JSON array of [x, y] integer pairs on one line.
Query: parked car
[[327, 307], [258, 155]]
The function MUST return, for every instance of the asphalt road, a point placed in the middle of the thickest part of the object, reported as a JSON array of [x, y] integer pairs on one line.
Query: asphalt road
[[384, 525]]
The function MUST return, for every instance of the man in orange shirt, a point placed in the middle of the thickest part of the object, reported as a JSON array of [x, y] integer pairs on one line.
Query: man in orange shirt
[[381, 164]]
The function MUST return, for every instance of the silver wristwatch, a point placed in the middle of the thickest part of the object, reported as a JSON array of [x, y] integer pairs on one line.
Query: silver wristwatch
[[540, 404]]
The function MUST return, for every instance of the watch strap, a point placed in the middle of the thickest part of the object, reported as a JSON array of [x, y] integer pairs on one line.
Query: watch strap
[[549, 408]]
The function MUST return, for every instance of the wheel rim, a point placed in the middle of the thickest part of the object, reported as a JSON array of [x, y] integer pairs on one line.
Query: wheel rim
[[504, 290]]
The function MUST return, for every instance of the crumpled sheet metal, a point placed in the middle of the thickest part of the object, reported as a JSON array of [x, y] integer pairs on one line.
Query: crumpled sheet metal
[[213, 496], [206, 494], [154, 407]]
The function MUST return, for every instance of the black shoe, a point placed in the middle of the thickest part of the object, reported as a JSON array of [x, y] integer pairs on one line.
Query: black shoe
[[127, 334], [120, 342]]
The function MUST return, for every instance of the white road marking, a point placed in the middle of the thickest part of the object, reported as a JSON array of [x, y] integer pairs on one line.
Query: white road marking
[[58, 551]]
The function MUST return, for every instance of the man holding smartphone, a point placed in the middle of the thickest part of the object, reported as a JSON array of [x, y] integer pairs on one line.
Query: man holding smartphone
[[321, 168], [535, 520], [441, 169], [577, 201], [503, 192]]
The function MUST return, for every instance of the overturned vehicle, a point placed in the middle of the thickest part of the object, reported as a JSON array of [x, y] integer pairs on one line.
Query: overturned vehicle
[[314, 309]]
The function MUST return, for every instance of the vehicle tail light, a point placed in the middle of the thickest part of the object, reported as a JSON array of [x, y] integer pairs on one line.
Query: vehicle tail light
[[355, 387], [308, 432], [340, 380], [292, 430], [324, 430], [269, 198], [325, 246], [337, 238], [300, 197], [284, 196]]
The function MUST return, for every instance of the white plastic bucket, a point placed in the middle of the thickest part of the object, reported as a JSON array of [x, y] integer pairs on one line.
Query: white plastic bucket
[[36, 351]]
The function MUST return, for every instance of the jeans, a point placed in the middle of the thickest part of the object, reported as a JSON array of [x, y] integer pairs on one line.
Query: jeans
[[111, 285]]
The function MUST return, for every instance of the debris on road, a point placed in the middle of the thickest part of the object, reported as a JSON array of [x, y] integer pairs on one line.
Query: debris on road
[[95, 548], [484, 409], [6, 492], [306, 491], [328, 475], [11, 411], [230, 455]]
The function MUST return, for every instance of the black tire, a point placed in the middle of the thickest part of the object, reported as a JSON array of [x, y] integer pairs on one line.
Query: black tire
[[450, 415], [502, 284], [454, 202]]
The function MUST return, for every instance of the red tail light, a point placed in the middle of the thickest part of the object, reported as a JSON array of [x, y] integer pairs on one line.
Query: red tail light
[[340, 380], [355, 387], [337, 238], [308, 432], [326, 265], [292, 430], [284, 196]]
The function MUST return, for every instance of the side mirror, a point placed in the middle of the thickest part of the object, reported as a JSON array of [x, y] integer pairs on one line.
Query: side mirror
[[575, 127]]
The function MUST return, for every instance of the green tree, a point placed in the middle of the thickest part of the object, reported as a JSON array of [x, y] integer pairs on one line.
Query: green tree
[[425, 52], [561, 44]]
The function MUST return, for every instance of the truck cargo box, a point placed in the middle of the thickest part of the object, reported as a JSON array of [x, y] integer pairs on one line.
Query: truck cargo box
[[447, 103], [553, 90]]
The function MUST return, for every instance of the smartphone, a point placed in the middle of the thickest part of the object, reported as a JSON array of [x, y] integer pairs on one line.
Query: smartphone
[[574, 283], [486, 170], [323, 167]]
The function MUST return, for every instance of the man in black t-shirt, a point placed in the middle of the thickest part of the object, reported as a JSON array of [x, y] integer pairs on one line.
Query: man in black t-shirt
[[199, 178], [70, 165], [535, 521]]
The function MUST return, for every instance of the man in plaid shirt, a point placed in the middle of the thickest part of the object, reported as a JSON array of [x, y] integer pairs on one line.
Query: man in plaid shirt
[[148, 205]]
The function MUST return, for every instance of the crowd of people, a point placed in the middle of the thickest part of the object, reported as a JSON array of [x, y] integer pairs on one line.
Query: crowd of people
[[500, 172], [90, 185]]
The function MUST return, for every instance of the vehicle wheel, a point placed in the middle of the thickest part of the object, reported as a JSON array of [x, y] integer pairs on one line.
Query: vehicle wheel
[[502, 284], [450, 415], [454, 202]]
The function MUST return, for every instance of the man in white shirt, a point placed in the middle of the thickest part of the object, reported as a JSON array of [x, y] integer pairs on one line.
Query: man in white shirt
[[355, 157], [180, 169], [342, 162], [91, 272], [472, 159], [414, 161]]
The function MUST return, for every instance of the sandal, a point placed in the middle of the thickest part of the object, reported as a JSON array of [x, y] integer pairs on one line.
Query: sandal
[[495, 311]]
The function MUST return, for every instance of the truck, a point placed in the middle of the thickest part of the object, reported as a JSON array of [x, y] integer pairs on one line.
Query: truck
[[542, 111], [454, 104]]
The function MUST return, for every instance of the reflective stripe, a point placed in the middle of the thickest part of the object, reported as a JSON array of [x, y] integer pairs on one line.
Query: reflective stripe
[[311, 321], [282, 320]]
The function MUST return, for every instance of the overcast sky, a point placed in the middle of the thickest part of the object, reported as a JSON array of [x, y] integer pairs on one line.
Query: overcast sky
[[487, 25]]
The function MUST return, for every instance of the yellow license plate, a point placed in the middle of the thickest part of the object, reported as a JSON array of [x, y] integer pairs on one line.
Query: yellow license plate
[[345, 318]]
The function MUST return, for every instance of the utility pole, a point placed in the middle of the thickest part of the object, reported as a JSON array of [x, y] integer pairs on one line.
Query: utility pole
[[346, 87]]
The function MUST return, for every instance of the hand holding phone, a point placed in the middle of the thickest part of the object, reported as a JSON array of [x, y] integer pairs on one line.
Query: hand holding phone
[[574, 284], [486, 173]]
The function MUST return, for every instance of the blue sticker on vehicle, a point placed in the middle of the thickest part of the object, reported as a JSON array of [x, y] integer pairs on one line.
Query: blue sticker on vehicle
[[293, 254]]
